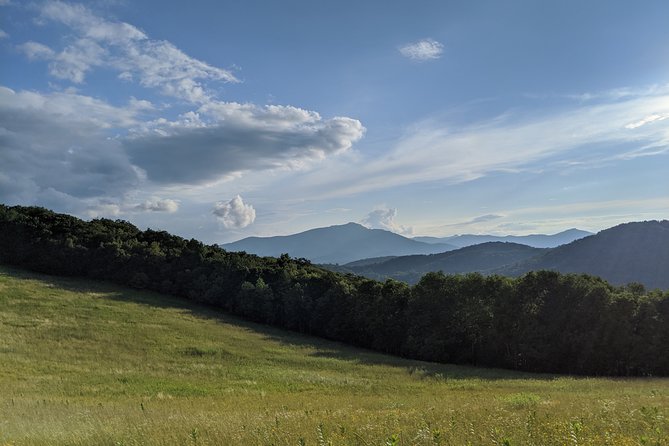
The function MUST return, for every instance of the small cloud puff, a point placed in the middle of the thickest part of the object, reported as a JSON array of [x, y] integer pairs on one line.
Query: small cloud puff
[[103, 210], [158, 205], [426, 49], [235, 214], [484, 218], [384, 218]]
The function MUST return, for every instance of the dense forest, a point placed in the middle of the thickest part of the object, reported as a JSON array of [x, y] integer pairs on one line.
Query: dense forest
[[543, 321]]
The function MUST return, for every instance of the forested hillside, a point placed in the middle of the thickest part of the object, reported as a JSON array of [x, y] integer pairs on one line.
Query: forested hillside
[[631, 252], [542, 321], [482, 258]]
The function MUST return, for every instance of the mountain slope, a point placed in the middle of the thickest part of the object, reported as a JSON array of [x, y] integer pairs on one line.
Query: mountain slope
[[534, 240], [337, 244], [478, 258], [631, 252]]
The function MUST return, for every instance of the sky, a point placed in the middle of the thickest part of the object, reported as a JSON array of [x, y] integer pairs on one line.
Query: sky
[[219, 120]]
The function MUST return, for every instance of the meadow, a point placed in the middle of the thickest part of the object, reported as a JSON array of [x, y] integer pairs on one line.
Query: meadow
[[90, 363]]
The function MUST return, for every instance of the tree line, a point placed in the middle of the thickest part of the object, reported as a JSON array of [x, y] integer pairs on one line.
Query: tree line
[[543, 321]]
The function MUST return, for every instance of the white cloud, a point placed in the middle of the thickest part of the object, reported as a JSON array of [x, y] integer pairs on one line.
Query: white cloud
[[158, 205], [60, 141], [106, 210], [648, 119], [235, 213], [216, 141], [3, 34], [35, 50], [228, 138], [426, 49], [384, 218], [121, 46], [484, 218], [433, 150]]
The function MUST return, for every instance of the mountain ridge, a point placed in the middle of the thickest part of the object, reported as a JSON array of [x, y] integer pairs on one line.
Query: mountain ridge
[[481, 258], [350, 242], [337, 244], [533, 240], [629, 252]]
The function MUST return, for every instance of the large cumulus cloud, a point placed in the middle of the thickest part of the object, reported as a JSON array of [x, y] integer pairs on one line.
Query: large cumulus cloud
[[238, 138], [58, 142], [71, 151]]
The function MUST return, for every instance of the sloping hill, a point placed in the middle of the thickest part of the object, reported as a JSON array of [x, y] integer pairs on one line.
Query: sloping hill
[[534, 240], [88, 363], [477, 258], [336, 244], [630, 252]]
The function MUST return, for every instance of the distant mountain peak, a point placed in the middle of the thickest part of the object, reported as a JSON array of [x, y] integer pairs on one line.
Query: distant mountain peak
[[534, 240], [337, 244]]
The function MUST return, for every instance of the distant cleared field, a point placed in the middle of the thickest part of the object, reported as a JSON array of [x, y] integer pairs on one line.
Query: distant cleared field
[[86, 363]]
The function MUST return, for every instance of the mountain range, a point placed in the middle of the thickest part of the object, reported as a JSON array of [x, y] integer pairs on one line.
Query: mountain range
[[534, 240], [337, 244], [483, 258], [631, 252]]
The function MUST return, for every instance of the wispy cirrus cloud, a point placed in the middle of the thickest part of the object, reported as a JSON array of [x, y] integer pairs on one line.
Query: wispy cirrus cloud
[[434, 150], [97, 42], [648, 119], [423, 50]]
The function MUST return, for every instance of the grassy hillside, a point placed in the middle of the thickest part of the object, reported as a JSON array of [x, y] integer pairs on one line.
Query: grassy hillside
[[86, 363]]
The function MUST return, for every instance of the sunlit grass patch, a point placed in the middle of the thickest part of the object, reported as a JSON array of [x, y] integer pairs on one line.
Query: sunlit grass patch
[[85, 363]]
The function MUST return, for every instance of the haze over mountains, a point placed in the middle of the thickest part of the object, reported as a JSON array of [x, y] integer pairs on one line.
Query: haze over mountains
[[534, 240]]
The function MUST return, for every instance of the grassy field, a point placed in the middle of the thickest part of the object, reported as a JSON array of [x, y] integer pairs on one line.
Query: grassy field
[[85, 363]]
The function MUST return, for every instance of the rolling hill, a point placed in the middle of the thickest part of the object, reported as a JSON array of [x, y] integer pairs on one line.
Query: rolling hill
[[482, 258], [534, 240], [89, 363], [337, 244], [630, 252]]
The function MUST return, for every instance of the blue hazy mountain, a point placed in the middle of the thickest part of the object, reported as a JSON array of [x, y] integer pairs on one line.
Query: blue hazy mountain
[[483, 258], [337, 244], [534, 240]]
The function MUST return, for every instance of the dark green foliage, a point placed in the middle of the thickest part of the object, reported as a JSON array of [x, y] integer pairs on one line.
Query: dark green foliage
[[543, 321]]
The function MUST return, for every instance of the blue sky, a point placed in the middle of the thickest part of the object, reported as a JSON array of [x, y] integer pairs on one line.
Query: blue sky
[[220, 120]]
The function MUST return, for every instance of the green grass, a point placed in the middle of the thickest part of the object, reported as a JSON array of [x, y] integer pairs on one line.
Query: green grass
[[86, 363]]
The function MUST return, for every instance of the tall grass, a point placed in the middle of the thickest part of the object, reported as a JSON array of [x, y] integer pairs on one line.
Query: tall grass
[[85, 363]]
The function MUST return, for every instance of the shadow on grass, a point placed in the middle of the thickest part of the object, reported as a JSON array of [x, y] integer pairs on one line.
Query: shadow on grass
[[321, 348]]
